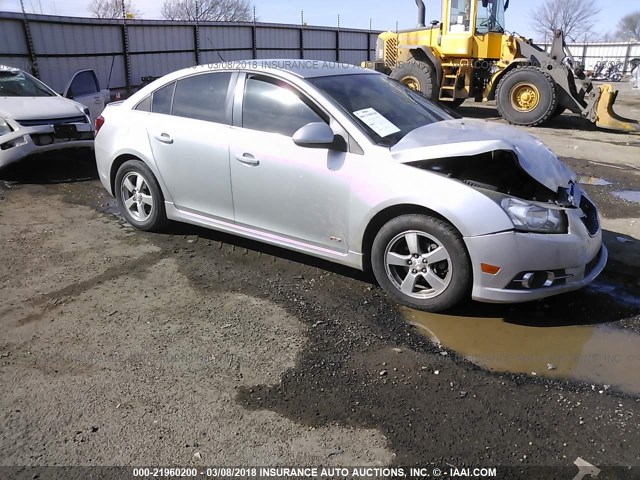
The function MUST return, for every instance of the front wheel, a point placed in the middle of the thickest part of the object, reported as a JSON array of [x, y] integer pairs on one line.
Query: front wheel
[[526, 96], [422, 262], [418, 76]]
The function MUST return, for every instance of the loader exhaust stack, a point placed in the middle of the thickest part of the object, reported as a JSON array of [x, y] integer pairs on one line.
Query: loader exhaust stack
[[422, 14]]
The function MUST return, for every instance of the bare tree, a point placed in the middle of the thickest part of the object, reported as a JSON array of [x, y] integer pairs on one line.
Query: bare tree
[[35, 6], [112, 9], [608, 37], [575, 18], [629, 27], [208, 10]]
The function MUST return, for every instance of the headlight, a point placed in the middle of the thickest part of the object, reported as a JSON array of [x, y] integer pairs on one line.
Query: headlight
[[4, 127], [527, 217], [380, 49]]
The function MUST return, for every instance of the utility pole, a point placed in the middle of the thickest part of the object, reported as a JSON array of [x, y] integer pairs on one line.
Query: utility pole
[[302, 34], [254, 34], [196, 33], [125, 43], [338, 41], [27, 33]]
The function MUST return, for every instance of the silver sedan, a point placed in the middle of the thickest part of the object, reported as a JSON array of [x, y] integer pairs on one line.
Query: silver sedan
[[348, 165]]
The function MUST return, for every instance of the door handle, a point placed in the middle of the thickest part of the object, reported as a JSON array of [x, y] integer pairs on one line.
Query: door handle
[[248, 159], [164, 138]]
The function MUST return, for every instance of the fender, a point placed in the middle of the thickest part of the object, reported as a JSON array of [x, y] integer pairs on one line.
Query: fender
[[490, 90], [127, 154], [426, 54]]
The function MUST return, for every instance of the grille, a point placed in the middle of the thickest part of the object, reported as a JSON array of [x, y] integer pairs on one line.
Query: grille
[[53, 121], [48, 138], [590, 219], [391, 52]]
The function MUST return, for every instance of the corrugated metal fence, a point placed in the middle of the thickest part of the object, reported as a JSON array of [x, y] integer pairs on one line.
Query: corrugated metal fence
[[55, 47], [591, 53]]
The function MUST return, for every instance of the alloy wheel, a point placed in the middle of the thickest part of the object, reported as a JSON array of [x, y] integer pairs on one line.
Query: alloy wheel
[[418, 265], [136, 196]]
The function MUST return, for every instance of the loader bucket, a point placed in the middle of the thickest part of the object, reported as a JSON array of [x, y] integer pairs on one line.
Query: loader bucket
[[607, 118]]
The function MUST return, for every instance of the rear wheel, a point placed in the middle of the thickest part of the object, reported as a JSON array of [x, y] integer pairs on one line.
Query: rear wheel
[[526, 96], [139, 196], [418, 76], [422, 262]]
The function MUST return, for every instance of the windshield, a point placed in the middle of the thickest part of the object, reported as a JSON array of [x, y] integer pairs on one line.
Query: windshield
[[491, 17], [385, 109], [16, 83]]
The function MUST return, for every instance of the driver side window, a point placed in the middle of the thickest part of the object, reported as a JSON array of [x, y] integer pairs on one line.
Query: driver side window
[[273, 106], [460, 17]]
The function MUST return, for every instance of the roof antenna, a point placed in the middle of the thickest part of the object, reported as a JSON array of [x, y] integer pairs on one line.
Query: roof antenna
[[214, 48]]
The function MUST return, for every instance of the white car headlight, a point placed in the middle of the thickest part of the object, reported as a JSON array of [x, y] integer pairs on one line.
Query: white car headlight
[[4, 127], [527, 217]]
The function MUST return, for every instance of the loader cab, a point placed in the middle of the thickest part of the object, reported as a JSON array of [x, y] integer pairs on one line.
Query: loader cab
[[459, 27], [490, 16], [470, 25]]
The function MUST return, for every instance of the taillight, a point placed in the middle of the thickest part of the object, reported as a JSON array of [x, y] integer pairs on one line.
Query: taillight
[[99, 123]]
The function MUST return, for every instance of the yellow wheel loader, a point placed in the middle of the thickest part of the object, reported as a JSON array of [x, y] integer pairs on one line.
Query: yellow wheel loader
[[469, 54]]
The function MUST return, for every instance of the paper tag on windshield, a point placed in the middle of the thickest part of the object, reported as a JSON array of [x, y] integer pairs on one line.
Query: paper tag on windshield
[[376, 122]]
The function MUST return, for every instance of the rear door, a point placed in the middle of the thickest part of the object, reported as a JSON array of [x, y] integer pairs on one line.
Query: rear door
[[84, 88], [189, 131]]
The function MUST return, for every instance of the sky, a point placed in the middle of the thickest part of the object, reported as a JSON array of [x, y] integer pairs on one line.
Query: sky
[[353, 13]]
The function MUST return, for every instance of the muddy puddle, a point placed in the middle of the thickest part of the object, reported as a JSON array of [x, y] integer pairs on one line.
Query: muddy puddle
[[523, 340], [629, 196], [594, 181]]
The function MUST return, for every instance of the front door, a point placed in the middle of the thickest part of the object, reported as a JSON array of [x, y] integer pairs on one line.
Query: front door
[[279, 187], [84, 88]]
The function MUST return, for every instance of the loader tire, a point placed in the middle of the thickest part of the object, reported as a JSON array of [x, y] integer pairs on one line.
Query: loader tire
[[527, 96], [558, 111], [419, 76]]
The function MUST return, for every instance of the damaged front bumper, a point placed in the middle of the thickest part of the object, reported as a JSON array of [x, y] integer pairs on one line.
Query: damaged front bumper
[[535, 266], [24, 141]]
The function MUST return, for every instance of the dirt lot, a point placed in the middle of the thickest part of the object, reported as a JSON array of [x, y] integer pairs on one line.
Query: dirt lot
[[197, 348]]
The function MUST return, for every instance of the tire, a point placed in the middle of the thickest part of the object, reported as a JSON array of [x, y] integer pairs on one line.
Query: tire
[[136, 181], [558, 111], [416, 239], [418, 76], [526, 96]]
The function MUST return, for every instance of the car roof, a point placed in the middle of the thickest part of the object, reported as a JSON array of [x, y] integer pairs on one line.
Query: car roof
[[300, 68]]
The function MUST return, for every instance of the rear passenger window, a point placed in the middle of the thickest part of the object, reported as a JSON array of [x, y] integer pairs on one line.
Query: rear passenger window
[[144, 105], [161, 102], [272, 106], [202, 97]]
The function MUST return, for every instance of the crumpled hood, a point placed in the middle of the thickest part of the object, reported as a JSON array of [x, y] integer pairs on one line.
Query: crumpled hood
[[33, 108], [465, 137]]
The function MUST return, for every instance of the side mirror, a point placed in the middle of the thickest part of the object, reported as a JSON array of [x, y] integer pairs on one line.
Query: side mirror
[[314, 135]]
